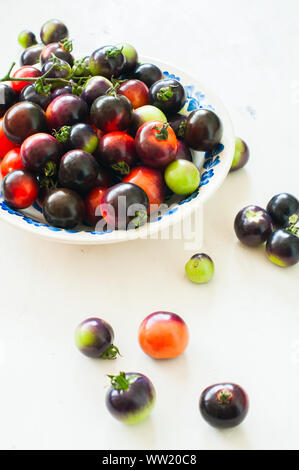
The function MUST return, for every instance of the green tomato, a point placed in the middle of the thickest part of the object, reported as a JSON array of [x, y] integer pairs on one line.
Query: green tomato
[[182, 177], [27, 39], [200, 268], [241, 155]]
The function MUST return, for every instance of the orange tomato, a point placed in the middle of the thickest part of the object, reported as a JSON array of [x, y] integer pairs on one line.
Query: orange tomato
[[163, 335]]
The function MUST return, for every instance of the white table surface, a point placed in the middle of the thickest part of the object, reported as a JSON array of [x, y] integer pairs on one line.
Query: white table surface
[[244, 325]]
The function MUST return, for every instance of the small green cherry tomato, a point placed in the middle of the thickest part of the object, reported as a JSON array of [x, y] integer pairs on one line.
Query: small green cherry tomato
[[200, 268], [241, 155], [27, 39], [182, 177]]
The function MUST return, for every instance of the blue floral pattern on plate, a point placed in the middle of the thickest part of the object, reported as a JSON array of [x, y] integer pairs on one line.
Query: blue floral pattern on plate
[[195, 100]]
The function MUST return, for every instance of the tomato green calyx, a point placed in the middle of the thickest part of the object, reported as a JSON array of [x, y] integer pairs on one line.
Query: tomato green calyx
[[224, 396], [181, 129], [42, 87], [111, 353], [47, 179], [66, 44], [165, 94], [116, 82], [50, 169], [121, 381], [293, 228], [63, 134], [121, 167], [140, 218], [113, 52], [162, 133]]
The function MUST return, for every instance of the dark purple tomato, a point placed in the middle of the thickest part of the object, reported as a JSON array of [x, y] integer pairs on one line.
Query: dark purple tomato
[[63, 208], [78, 170], [31, 55], [66, 110], [56, 70], [57, 50], [105, 177], [253, 225], [29, 93], [203, 130], [178, 123], [95, 87], [224, 405], [8, 97], [39, 149], [131, 397], [282, 248], [94, 338], [282, 208], [183, 152], [117, 150], [106, 61], [241, 155], [53, 31], [168, 95], [19, 189], [22, 120], [148, 73], [124, 206], [83, 136], [26, 38], [111, 113], [63, 90], [131, 57]]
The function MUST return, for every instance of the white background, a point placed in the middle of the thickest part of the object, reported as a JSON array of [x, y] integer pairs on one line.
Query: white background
[[243, 325]]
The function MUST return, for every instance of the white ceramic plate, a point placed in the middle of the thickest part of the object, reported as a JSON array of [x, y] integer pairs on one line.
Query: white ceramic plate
[[214, 168]]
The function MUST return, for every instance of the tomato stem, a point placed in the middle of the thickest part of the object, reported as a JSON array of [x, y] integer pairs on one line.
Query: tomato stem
[[162, 133], [111, 352]]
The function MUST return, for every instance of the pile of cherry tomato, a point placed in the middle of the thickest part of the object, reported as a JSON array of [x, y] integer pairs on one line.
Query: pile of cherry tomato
[[78, 135]]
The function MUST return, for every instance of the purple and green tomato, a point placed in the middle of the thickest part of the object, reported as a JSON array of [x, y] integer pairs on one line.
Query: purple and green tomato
[[95, 87], [200, 268], [106, 61], [145, 114], [182, 177], [83, 136], [283, 209], [94, 337], [53, 31], [131, 57], [241, 155], [253, 225], [27, 38], [131, 397], [282, 248]]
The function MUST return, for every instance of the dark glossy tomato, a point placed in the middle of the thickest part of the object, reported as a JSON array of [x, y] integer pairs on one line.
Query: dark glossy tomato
[[59, 70], [55, 49], [22, 120], [53, 31], [5, 144], [151, 181], [8, 97], [106, 61], [136, 91], [62, 90], [203, 130], [178, 122], [29, 93], [111, 113], [92, 206], [78, 171], [124, 206], [148, 74], [95, 87], [12, 161], [63, 208], [39, 149], [117, 151], [105, 177], [20, 189], [83, 136], [156, 144], [168, 95], [66, 110], [31, 55], [24, 72], [183, 152]]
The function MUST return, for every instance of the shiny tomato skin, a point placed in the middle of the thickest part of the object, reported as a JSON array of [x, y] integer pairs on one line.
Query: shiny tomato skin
[[151, 181], [163, 335], [155, 152], [117, 150], [20, 189], [136, 91], [12, 161], [5, 144], [24, 72], [92, 205]]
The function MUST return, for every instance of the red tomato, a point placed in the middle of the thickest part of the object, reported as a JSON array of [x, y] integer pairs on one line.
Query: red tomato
[[163, 335], [92, 205], [11, 161], [151, 181], [136, 91], [117, 150], [156, 144], [5, 144], [24, 72], [20, 189]]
